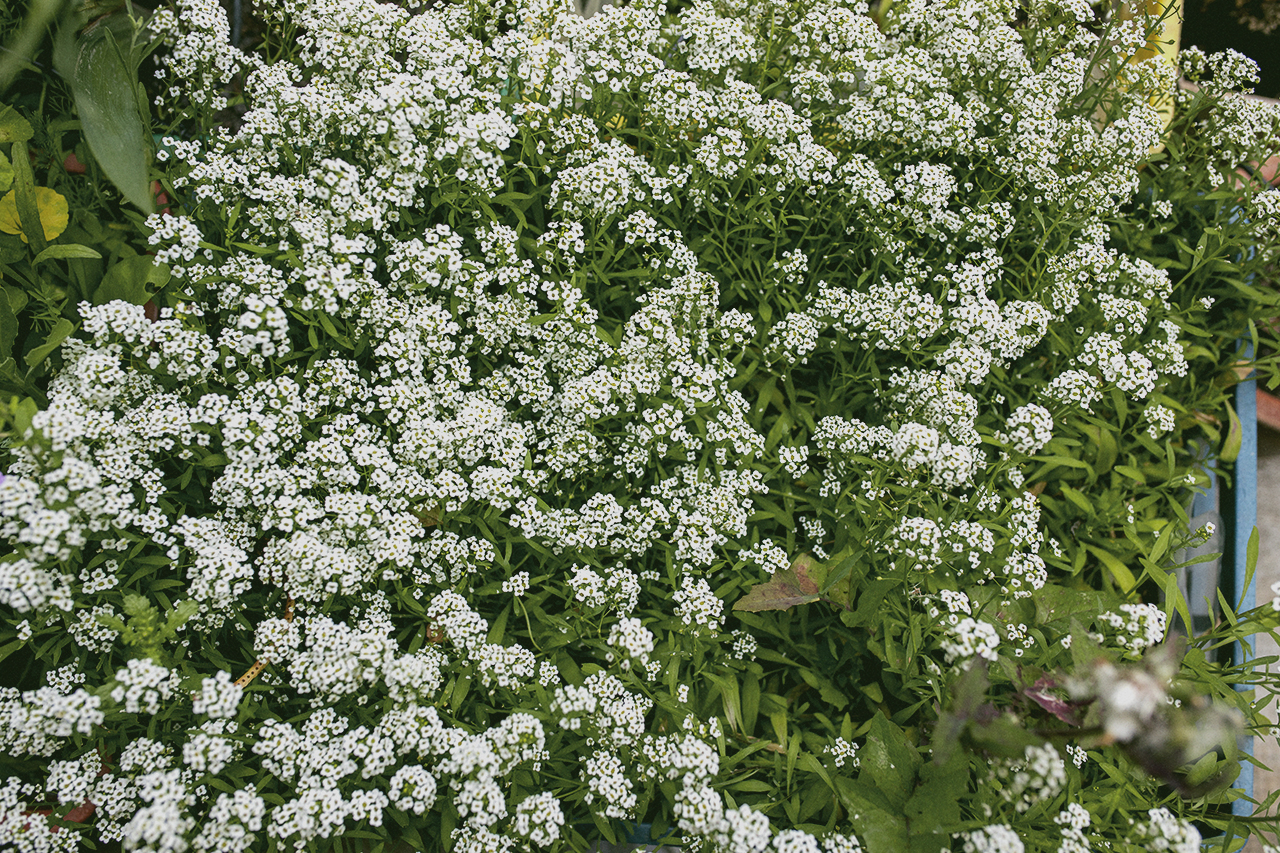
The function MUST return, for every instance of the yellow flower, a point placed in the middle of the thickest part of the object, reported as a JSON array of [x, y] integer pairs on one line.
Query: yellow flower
[[51, 206]]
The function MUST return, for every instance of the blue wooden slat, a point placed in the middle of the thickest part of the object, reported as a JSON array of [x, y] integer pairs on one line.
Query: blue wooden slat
[[1244, 518]]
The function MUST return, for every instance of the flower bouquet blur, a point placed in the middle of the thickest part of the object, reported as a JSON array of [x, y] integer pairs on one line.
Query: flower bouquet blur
[[771, 422]]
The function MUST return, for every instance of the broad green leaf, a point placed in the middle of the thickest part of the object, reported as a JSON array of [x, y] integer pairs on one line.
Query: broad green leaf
[[892, 762], [826, 688], [1059, 603], [1002, 735], [129, 278], [105, 89], [13, 127], [66, 250], [879, 826], [6, 173], [10, 380], [16, 297], [934, 807], [23, 412], [870, 597], [12, 250], [61, 330]]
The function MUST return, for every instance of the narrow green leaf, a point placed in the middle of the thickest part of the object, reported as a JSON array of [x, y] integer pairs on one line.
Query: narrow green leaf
[[1078, 499], [25, 196], [1250, 566], [8, 328], [1131, 472], [1162, 543], [61, 330], [1119, 571], [750, 701], [65, 250], [1235, 437]]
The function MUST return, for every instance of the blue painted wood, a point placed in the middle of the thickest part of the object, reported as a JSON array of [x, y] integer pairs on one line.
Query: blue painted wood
[[1244, 517]]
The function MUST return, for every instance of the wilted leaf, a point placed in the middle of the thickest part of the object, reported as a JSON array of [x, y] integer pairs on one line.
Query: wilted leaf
[[784, 590], [1041, 693]]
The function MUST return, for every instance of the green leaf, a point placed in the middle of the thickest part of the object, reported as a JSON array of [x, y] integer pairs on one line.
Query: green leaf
[[879, 826], [1250, 564], [826, 688], [105, 89], [10, 380], [1078, 499], [22, 412], [16, 297], [870, 597], [1131, 472], [892, 762], [750, 701], [1059, 603], [66, 250], [13, 127], [1119, 571], [128, 278], [8, 328], [24, 191], [6, 173], [934, 807], [61, 330], [1002, 735], [1234, 438]]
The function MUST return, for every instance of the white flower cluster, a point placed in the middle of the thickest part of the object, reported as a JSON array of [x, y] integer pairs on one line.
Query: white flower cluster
[[996, 838], [843, 752], [1137, 627], [489, 364], [1040, 775], [1163, 831], [971, 638]]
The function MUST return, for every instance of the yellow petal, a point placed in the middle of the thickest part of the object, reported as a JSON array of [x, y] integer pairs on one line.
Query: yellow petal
[[51, 206]]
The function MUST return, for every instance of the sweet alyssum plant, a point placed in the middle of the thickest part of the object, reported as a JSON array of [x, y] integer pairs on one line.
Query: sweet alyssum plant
[[772, 422]]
